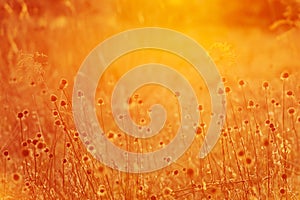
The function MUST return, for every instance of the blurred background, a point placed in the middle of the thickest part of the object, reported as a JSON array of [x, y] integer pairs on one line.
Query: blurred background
[[245, 37]]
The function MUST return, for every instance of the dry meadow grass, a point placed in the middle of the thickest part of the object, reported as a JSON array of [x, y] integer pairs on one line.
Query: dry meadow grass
[[257, 52]]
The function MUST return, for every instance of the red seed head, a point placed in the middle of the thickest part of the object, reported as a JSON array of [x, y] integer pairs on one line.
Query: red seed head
[[85, 158], [63, 103], [200, 107], [76, 134], [251, 103], [241, 82], [227, 89], [273, 101], [101, 190], [57, 122], [289, 93], [175, 172], [89, 171], [291, 110], [53, 98], [265, 85], [248, 160], [40, 145], [20, 115], [63, 84], [35, 141], [284, 176], [55, 112], [198, 130], [100, 102], [5, 153], [241, 153], [284, 75], [25, 112], [16, 177]]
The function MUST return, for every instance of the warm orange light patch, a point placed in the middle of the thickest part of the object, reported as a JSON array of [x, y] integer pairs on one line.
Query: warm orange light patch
[[142, 99], [255, 45]]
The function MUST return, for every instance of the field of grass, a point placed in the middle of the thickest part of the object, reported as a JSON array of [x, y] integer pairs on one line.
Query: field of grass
[[256, 48]]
